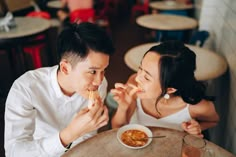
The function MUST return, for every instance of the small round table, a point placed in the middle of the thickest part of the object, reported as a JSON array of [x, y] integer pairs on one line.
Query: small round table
[[55, 4], [14, 40], [105, 144], [25, 26], [209, 65], [166, 22], [170, 5]]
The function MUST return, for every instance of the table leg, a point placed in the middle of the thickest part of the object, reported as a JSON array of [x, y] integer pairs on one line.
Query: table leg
[[16, 59]]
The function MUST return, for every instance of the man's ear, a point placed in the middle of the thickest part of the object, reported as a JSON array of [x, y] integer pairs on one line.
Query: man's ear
[[171, 90], [65, 67]]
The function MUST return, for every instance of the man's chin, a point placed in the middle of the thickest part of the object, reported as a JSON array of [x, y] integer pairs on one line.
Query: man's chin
[[84, 94]]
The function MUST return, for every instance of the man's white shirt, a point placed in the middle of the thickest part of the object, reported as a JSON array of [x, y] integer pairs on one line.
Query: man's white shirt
[[36, 111]]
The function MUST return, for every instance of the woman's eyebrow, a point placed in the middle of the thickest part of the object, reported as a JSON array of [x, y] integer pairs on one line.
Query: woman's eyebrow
[[145, 70], [147, 73]]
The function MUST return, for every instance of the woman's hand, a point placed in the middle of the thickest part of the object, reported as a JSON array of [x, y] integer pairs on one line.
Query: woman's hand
[[192, 127], [124, 94], [85, 121]]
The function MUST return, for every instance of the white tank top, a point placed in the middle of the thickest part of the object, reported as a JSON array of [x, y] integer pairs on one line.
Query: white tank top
[[172, 121]]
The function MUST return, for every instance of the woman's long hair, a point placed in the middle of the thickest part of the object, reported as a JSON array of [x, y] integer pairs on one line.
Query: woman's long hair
[[177, 65]]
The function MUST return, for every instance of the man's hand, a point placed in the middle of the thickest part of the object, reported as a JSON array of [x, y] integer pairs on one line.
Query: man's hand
[[85, 121]]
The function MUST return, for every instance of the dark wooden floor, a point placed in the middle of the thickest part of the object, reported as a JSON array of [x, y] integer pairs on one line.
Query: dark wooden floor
[[125, 34]]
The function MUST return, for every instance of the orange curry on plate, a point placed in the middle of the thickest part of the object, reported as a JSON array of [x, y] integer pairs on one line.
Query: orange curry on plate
[[134, 138]]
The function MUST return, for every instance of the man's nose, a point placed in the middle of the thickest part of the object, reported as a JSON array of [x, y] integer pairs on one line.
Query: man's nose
[[98, 80]]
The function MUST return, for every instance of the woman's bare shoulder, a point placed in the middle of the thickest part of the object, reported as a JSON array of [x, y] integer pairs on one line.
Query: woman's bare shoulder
[[203, 107]]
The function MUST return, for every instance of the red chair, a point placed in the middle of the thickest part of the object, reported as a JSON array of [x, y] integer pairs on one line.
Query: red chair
[[143, 7], [42, 14], [82, 15], [34, 50], [88, 15]]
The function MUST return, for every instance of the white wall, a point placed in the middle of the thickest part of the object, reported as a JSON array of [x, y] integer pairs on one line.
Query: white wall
[[219, 18]]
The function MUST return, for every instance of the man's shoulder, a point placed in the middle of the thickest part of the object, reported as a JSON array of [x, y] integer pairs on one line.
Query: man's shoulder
[[35, 76]]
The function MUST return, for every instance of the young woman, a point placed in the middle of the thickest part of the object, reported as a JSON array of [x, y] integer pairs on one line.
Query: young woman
[[165, 93]]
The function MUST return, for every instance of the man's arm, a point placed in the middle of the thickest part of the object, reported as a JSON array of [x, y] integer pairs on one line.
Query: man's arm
[[20, 125]]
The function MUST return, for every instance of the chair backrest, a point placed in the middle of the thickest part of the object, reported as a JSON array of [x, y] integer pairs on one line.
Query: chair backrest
[[84, 15], [199, 37], [41, 14], [146, 2]]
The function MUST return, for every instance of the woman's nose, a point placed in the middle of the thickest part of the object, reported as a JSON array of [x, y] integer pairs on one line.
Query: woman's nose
[[137, 79]]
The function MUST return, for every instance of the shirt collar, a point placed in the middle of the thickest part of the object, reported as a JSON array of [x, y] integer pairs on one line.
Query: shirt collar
[[55, 84]]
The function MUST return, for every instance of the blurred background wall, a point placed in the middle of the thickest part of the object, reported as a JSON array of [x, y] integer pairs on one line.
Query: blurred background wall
[[218, 17]]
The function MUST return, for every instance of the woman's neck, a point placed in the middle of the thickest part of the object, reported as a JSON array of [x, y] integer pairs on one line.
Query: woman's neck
[[149, 107], [163, 107]]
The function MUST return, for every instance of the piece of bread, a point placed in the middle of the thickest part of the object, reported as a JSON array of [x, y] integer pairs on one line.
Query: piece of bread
[[92, 96]]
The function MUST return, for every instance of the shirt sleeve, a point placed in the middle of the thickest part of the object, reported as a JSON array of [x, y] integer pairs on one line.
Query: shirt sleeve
[[20, 125]]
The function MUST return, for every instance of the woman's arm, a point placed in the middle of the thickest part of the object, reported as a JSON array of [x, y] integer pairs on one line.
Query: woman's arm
[[204, 112], [126, 103], [120, 118]]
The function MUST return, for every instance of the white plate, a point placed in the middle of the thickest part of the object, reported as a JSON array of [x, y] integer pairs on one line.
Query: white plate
[[134, 127]]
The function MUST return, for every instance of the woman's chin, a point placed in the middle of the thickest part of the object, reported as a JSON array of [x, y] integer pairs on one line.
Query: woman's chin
[[141, 95]]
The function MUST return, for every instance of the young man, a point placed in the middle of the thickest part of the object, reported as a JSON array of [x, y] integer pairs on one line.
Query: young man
[[46, 109]]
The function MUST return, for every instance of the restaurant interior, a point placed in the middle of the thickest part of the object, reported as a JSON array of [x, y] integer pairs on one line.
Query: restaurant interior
[[209, 26]]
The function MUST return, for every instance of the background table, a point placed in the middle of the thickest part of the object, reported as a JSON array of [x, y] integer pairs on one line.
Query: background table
[[165, 5], [54, 4], [209, 65], [106, 144], [166, 22], [27, 28]]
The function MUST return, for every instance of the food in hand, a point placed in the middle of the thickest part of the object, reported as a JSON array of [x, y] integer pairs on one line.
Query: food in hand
[[134, 138], [138, 89], [92, 96]]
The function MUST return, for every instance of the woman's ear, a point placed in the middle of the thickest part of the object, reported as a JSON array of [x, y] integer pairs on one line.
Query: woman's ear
[[65, 67], [171, 90]]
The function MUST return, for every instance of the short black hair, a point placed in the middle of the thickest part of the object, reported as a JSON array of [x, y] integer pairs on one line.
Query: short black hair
[[77, 39]]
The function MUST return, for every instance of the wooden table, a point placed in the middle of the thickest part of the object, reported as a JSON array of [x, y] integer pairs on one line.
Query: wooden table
[[170, 5], [56, 4], [26, 29], [166, 22], [26, 26], [209, 65], [106, 144]]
